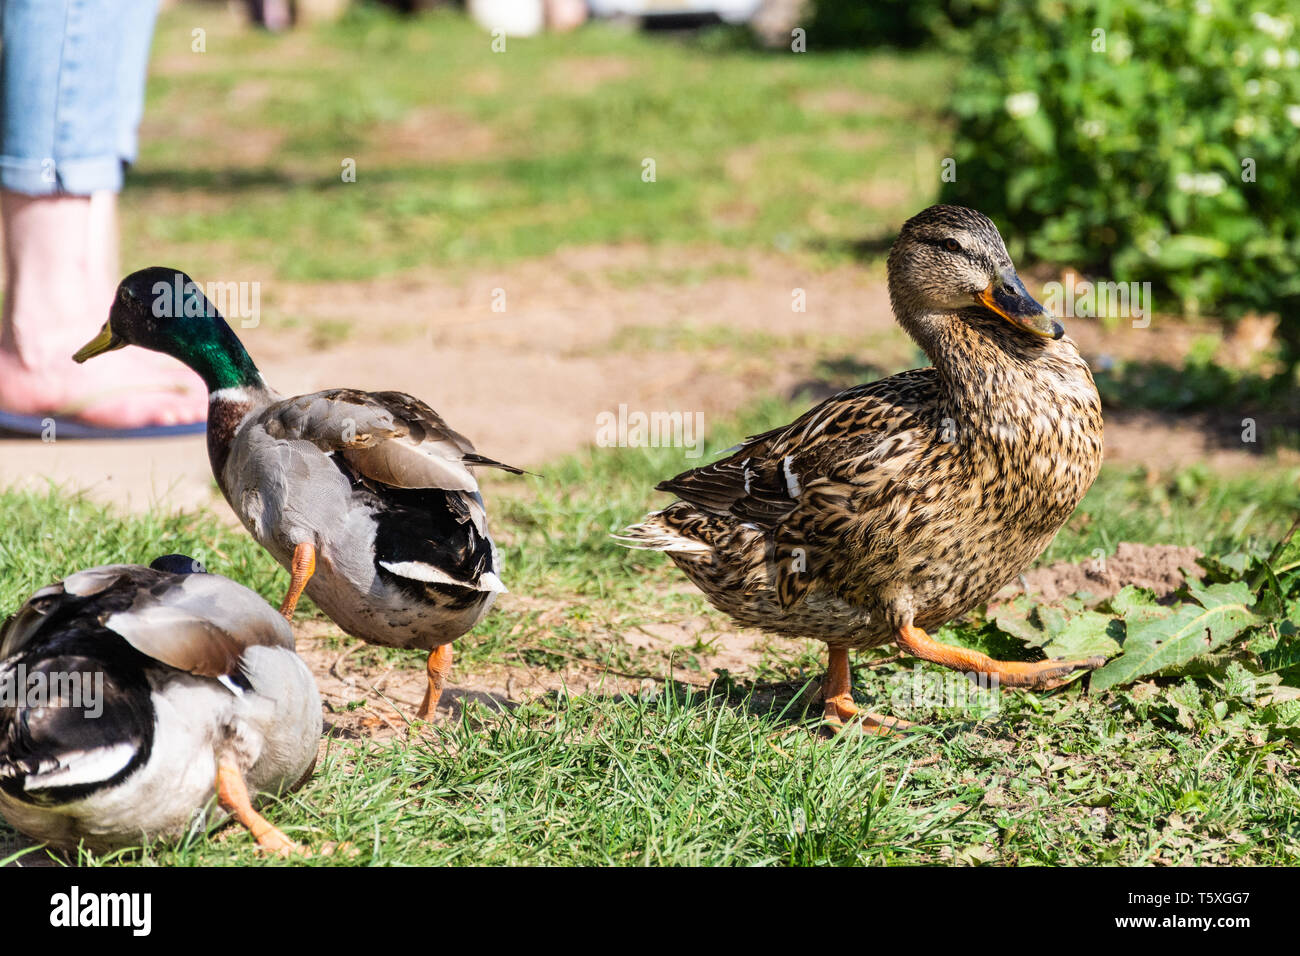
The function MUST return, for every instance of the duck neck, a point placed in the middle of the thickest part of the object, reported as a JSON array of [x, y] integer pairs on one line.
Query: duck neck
[[994, 377], [221, 360], [227, 409], [235, 387]]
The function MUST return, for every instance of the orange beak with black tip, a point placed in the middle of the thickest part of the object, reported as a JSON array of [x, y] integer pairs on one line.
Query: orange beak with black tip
[[1006, 296]]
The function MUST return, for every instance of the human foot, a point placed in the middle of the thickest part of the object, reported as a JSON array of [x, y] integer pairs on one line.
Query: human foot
[[126, 390], [61, 271]]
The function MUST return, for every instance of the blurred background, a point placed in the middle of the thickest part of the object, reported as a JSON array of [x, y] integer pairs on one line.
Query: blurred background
[[530, 211]]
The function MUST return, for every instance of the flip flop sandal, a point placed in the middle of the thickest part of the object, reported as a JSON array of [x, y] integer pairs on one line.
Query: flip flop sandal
[[66, 425]]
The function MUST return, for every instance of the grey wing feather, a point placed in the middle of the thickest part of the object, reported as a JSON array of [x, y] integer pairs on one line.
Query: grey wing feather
[[18, 630], [200, 623], [389, 437]]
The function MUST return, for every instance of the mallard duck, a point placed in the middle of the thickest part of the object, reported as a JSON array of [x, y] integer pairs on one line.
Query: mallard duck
[[895, 506], [368, 499], [131, 696]]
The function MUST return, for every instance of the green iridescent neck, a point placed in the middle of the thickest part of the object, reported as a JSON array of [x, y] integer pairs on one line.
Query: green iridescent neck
[[210, 347]]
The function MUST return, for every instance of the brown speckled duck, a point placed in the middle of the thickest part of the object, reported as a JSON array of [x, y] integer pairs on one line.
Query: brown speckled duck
[[896, 506]]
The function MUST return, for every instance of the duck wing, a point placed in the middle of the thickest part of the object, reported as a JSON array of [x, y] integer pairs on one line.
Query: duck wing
[[851, 437], [805, 483], [198, 623], [431, 526], [65, 600], [390, 437], [55, 754], [115, 622]]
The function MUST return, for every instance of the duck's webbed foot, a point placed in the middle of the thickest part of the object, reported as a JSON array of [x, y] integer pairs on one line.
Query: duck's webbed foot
[[1038, 675], [232, 793], [840, 708]]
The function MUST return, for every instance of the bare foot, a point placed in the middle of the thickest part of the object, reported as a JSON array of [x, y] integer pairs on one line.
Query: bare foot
[[126, 389], [61, 271]]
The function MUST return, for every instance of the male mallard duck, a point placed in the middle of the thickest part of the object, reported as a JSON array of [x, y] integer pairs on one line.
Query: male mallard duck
[[130, 696], [895, 506], [367, 498]]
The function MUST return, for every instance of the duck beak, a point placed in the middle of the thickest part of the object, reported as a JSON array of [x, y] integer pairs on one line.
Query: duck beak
[[105, 341], [1006, 296]]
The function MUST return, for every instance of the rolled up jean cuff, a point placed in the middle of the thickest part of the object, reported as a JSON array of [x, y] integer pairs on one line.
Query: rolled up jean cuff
[[72, 76], [79, 177]]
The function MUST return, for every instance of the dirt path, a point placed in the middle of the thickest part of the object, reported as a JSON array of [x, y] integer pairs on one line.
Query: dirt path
[[582, 332]]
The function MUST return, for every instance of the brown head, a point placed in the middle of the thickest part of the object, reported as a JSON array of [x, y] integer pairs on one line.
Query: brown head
[[948, 265]]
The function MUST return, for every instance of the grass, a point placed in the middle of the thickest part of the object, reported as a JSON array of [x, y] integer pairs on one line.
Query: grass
[[464, 156], [1155, 773], [693, 781]]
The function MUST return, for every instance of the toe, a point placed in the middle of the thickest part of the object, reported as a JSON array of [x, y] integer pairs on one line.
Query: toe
[[1056, 672]]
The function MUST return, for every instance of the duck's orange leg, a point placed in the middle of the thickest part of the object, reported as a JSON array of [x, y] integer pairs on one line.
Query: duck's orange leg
[[838, 691], [233, 795], [304, 566], [438, 666], [1039, 675]]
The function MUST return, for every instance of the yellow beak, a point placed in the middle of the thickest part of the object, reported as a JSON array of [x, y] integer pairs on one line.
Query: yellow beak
[[105, 341]]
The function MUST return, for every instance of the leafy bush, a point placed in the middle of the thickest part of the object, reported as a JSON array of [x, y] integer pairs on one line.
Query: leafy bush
[[896, 23], [1123, 137]]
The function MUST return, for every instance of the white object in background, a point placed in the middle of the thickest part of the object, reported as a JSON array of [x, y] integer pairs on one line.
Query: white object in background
[[517, 18], [732, 11]]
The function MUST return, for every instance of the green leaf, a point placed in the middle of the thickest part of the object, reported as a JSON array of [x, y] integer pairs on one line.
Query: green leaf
[[1284, 656], [1013, 619], [1187, 633], [1218, 595], [1136, 605], [1085, 635], [1227, 567], [1038, 132], [1052, 618], [1284, 716]]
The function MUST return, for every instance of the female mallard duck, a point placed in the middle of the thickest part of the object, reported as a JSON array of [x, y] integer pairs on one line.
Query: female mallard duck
[[367, 498], [896, 506], [130, 696]]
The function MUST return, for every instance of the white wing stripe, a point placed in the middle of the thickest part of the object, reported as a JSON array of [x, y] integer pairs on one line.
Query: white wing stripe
[[83, 766]]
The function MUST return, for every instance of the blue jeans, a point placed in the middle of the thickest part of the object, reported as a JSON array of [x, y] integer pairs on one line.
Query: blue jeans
[[72, 78]]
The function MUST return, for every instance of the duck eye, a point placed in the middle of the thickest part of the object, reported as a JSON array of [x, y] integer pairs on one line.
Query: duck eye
[[952, 245]]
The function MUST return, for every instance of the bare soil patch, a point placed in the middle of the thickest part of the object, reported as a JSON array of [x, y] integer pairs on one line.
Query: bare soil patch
[[1157, 567], [841, 100], [578, 337], [435, 135], [583, 74]]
